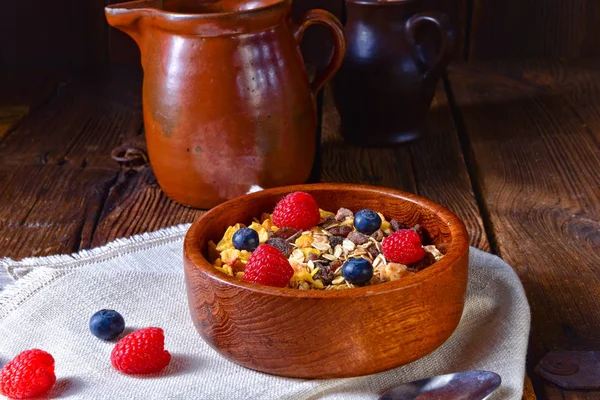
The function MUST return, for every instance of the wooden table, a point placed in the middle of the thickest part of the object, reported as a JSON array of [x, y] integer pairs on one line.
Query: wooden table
[[512, 148]]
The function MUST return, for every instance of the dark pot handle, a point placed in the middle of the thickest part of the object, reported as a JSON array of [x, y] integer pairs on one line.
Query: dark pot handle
[[442, 23], [333, 24]]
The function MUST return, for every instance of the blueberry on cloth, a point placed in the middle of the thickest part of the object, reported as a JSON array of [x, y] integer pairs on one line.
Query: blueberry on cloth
[[357, 271], [245, 239], [107, 324], [367, 221]]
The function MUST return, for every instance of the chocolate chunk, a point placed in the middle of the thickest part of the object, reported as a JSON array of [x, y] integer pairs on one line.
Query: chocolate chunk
[[397, 225], [335, 240], [342, 230], [285, 232], [325, 274], [425, 238], [423, 263], [343, 214], [282, 245], [335, 265], [378, 235], [328, 220], [358, 238], [322, 261], [373, 251]]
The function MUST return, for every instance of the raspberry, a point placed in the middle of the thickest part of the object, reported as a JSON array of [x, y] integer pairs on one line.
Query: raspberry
[[141, 352], [297, 210], [403, 246], [268, 266], [29, 374]]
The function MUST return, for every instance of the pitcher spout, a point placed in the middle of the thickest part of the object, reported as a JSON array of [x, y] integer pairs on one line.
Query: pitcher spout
[[127, 17]]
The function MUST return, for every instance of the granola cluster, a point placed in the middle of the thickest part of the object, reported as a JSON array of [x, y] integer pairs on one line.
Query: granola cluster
[[317, 255]]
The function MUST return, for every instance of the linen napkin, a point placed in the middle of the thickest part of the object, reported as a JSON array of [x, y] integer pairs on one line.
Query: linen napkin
[[53, 298]]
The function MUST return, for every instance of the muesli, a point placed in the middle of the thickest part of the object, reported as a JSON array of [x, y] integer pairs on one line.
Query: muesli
[[318, 249]]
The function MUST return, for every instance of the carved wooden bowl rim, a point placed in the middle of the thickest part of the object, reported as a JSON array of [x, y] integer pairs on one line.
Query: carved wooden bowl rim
[[459, 243]]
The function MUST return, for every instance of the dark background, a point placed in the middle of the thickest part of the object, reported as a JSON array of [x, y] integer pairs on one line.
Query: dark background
[[70, 34]]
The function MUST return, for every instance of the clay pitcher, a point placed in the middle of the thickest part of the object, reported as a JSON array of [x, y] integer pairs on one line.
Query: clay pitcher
[[396, 54], [226, 98]]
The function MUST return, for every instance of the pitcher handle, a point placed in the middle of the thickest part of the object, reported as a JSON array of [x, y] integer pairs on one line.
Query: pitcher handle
[[333, 24], [443, 25]]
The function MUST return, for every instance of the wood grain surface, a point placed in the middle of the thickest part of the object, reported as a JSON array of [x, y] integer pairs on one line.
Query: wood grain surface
[[533, 131], [55, 169]]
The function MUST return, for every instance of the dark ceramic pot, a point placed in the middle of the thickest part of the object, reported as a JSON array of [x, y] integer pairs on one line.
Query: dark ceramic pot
[[395, 55]]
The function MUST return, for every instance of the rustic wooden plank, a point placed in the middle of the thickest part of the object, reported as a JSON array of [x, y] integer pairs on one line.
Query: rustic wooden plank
[[9, 117], [135, 204], [432, 167], [530, 28], [56, 201], [56, 170], [534, 135], [440, 171]]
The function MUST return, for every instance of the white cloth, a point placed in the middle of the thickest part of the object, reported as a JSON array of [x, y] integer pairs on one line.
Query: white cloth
[[53, 298]]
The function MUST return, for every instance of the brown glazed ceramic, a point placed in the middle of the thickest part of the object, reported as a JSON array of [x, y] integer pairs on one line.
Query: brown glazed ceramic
[[387, 81], [227, 101], [328, 334]]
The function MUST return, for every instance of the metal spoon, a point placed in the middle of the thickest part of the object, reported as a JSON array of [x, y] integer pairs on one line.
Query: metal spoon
[[467, 385]]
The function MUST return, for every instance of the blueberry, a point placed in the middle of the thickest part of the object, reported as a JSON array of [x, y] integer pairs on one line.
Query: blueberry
[[107, 324], [357, 271], [245, 239], [367, 221]]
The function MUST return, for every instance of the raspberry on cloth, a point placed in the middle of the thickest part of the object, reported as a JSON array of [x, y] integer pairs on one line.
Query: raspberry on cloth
[[29, 374], [141, 352], [50, 305]]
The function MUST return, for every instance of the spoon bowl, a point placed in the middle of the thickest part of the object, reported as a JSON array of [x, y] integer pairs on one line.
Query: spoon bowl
[[466, 385]]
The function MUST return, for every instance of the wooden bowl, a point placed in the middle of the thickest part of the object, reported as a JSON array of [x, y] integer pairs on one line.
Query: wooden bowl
[[328, 334]]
